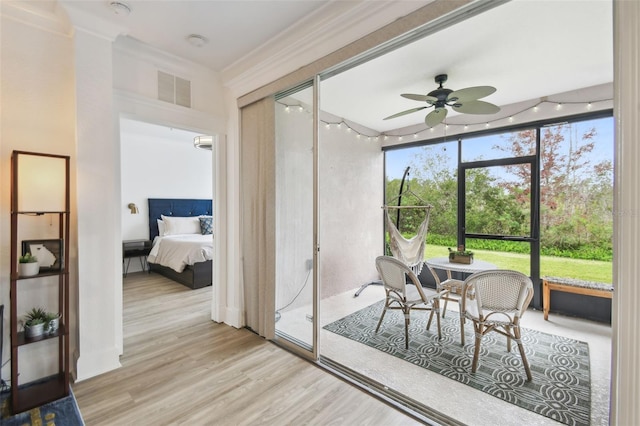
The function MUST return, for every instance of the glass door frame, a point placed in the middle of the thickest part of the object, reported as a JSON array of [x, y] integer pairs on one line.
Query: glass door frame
[[289, 342], [534, 231]]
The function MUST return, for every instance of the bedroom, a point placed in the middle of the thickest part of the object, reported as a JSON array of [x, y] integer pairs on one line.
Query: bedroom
[[159, 162]]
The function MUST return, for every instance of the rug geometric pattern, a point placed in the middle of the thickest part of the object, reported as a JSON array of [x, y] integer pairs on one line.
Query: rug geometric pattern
[[62, 412], [560, 388]]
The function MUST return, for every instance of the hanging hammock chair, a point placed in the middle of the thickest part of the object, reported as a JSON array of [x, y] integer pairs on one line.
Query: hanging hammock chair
[[409, 251]]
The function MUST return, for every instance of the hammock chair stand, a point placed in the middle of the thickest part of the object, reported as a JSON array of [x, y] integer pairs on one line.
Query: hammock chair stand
[[409, 251]]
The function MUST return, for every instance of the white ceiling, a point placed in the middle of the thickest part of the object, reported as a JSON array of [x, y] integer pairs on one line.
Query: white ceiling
[[527, 49], [233, 28]]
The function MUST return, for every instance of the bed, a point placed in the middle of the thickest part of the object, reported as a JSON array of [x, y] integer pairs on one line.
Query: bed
[[196, 265]]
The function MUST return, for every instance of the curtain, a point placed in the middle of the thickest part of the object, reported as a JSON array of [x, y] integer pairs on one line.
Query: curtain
[[257, 157]]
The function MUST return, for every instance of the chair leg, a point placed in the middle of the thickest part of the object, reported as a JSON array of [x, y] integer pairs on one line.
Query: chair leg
[[435, 310], [444, 308], [522, 354], [461, 327], [476, 351], [508, 330], [384, 311], [436, 307], [406, 329]]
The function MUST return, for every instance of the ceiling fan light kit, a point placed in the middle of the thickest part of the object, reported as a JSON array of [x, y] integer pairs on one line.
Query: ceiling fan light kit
[[464, 101]]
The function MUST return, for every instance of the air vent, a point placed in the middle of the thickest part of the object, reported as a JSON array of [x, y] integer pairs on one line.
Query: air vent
[[174, 89]]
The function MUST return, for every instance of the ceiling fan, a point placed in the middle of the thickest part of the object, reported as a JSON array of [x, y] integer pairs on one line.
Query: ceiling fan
[[464, 101]]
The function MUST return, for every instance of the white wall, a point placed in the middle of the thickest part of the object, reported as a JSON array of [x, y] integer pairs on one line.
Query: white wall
[[351, 220], [351, 180], [37, 115], [158, 162]]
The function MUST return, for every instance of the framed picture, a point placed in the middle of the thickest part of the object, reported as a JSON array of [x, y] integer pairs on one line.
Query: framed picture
[[48, 252]]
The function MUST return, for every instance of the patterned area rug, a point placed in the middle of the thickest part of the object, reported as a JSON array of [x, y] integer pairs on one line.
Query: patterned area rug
[[63, 412], [560, 388]]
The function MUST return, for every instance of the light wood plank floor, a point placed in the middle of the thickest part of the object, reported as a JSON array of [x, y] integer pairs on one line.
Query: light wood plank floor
[[179, 367]]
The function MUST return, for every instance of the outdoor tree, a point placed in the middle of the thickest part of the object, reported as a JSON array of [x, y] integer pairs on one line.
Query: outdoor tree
[[575, 190]]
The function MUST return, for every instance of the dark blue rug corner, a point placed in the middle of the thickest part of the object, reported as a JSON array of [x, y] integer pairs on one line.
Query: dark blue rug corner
[[62, 412]]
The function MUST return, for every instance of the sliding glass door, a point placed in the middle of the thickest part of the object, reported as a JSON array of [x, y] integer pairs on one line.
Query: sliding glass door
[[295, 307]]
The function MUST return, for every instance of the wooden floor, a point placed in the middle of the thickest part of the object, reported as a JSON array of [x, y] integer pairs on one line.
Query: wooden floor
[[179, 367]]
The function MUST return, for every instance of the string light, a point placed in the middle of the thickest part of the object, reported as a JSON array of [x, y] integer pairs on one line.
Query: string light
[[416, 134]]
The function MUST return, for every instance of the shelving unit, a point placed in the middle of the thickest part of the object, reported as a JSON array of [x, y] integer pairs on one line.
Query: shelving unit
[[42, 175]]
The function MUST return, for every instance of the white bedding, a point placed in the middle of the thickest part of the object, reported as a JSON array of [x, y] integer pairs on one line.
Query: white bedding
[[178, 251]]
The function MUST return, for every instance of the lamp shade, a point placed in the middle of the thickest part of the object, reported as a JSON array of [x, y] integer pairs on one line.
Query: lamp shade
[[41, 183]]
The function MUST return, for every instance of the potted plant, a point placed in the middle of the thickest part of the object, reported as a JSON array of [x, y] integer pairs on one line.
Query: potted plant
[[52, 323], [460, 255], [35, 322], [28, 265]]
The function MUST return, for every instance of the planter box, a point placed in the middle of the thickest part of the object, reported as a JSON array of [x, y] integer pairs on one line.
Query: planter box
[[28, 269], [461, 258]]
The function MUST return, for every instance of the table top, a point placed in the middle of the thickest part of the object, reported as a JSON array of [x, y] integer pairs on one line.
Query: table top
[[476, 266]]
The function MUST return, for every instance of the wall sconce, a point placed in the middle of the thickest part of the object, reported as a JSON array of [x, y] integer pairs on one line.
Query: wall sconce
[[133, 208]]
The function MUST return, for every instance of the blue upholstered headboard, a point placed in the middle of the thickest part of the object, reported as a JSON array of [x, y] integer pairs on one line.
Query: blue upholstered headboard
[[175, 207]]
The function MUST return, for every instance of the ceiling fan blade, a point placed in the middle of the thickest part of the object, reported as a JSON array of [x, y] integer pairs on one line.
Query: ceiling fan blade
[[477, 107], [470, 94], [435, 117], [422, 98], [409, 111]]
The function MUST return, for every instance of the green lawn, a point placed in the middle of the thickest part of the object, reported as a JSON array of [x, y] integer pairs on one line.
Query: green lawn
[[589, 270]]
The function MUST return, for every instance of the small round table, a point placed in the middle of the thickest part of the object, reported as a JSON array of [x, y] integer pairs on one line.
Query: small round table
[[454, 286], [443, 263]]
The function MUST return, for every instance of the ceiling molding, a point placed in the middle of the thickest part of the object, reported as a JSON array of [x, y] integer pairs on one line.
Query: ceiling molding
[[319, 34], [53, 20], [92, 24]]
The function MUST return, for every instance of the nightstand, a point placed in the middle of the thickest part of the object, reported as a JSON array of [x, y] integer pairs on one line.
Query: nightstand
[[135, 248]]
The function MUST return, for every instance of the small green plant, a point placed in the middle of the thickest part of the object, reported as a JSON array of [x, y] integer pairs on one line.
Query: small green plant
[[460, 251], [36, 316], [27, 258], [51, 316]]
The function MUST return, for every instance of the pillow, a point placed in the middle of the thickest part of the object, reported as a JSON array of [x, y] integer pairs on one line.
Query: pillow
[[181, 225], [161, 229], [206, 225]]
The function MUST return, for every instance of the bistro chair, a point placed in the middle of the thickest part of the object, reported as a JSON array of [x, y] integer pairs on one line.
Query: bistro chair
[[495, 301], [454, 294], [406, 296]]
